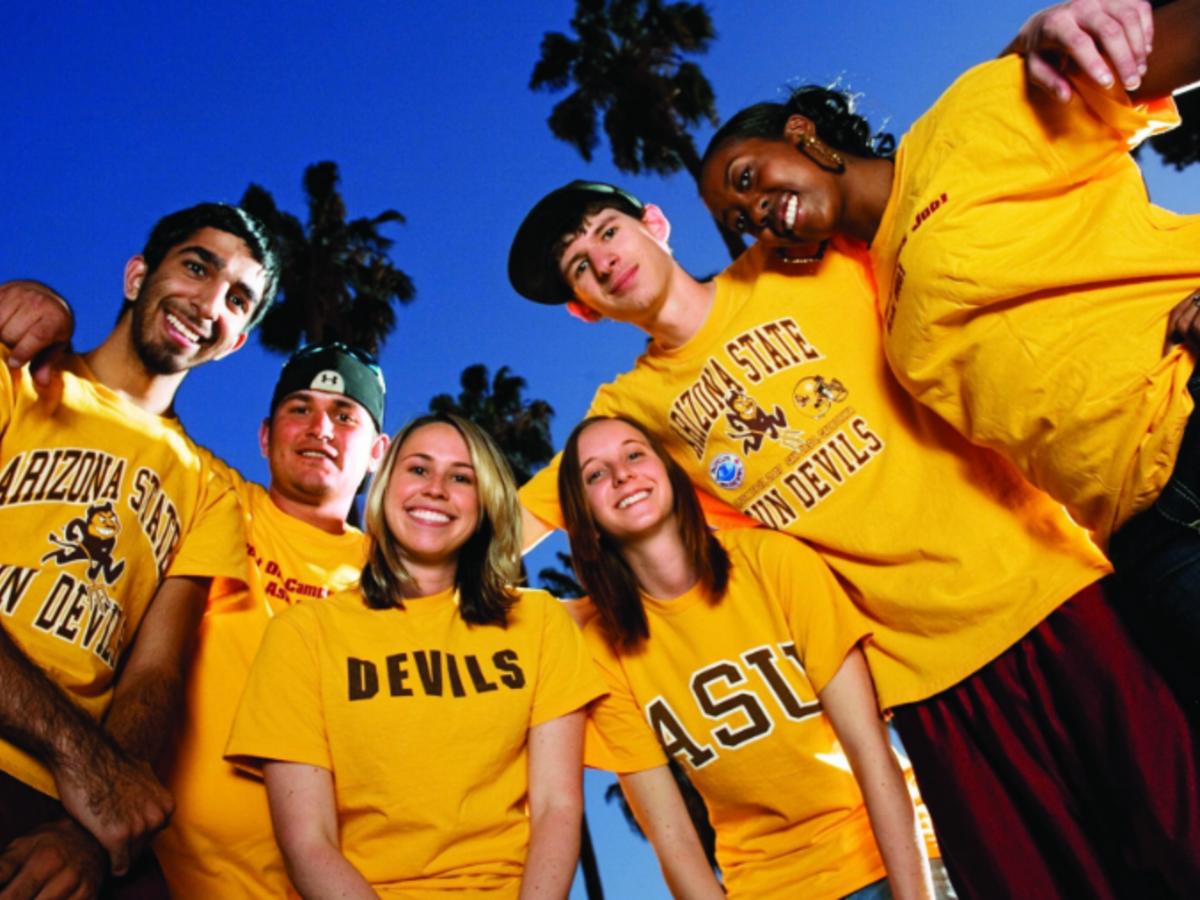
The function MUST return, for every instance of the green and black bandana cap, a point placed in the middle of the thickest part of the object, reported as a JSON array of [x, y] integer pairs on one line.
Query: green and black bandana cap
[[334, 368]]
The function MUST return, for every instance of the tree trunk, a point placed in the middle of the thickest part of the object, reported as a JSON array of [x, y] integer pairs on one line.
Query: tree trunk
[[587, 862]]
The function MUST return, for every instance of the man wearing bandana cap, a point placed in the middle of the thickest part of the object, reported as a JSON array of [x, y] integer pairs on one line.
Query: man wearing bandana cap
[[322, 437]]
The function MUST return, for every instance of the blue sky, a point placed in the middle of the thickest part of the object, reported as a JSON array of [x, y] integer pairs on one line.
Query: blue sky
[[115, 114]]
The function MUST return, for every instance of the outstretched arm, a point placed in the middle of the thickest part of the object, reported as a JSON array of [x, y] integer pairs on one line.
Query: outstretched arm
[[555, 806], [658, 806], [304, 815], [36, 324], [1175, 65], [849, 701], [1106, 35], [1087, 31]]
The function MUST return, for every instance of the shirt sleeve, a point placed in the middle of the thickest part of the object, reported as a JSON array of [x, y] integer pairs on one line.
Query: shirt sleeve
[[824, 622], [280, 716], [215, 543], [618, 737], [567, 678], [1133, 122], [539, 495]]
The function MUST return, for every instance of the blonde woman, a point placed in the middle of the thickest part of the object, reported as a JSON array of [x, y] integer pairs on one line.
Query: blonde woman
[[424, 733]]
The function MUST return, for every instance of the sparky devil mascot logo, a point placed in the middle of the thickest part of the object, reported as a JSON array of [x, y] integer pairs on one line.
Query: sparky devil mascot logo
[[91, 538]]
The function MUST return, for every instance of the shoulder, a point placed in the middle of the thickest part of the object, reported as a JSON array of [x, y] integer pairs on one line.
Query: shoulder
[[249, 492], [746, 268], [772, 559], [534, 604], [1004, 77], [759, 542], [333, 613]]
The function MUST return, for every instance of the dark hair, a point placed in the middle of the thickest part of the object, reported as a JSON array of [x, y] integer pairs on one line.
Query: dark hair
[[598, 562], [573, 226], [172, 230], [489, 563], [830, 111]]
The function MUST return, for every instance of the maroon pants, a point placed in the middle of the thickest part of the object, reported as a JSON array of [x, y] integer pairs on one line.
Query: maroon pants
[[22, 809], [1064, 768]]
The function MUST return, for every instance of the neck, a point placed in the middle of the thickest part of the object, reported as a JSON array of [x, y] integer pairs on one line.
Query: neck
[[683, 313], [328, 516], [429, 579], [868, 187], [117, 366], [661, 563]]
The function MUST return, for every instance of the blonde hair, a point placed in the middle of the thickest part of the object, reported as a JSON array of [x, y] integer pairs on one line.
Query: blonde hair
[[489, 563]]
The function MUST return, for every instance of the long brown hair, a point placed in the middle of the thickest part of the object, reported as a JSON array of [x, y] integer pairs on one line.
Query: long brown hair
[[597, 560], [489, 563]]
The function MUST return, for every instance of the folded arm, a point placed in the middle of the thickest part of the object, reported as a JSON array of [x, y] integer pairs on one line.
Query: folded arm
[[304, 815]]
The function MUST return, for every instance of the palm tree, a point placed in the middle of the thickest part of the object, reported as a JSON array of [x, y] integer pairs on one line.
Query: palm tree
[[627, 63], [521, 429], [338, 282]]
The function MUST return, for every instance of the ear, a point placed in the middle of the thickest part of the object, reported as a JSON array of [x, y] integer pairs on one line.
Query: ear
[[797, 126], [581, 310], [135, 274], [264, 437], [377, 450], [237, 345], [656, 223]]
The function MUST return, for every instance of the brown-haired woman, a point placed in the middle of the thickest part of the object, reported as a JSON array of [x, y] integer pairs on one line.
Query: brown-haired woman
[[424, 734], [737, 654]]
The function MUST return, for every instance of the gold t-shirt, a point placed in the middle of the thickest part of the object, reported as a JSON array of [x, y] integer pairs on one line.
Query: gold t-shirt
[[220, 843], [783, 407], [99, 502], [730, 690], [423, 721], [1026, 279]]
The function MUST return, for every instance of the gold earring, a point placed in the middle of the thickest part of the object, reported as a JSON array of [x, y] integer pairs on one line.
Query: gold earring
[[821, 153]]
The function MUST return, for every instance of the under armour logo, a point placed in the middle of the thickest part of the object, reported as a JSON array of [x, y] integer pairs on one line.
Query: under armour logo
[[329, 381]]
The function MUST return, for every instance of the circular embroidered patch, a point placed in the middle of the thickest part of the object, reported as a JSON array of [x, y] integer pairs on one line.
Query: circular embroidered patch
[[727, 471]]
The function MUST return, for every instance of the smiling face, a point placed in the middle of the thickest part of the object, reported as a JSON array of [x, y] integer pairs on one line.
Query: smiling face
[[626, 484], [195, 306], [771, 190], [320, 447], [620, 266], [431, 505]]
